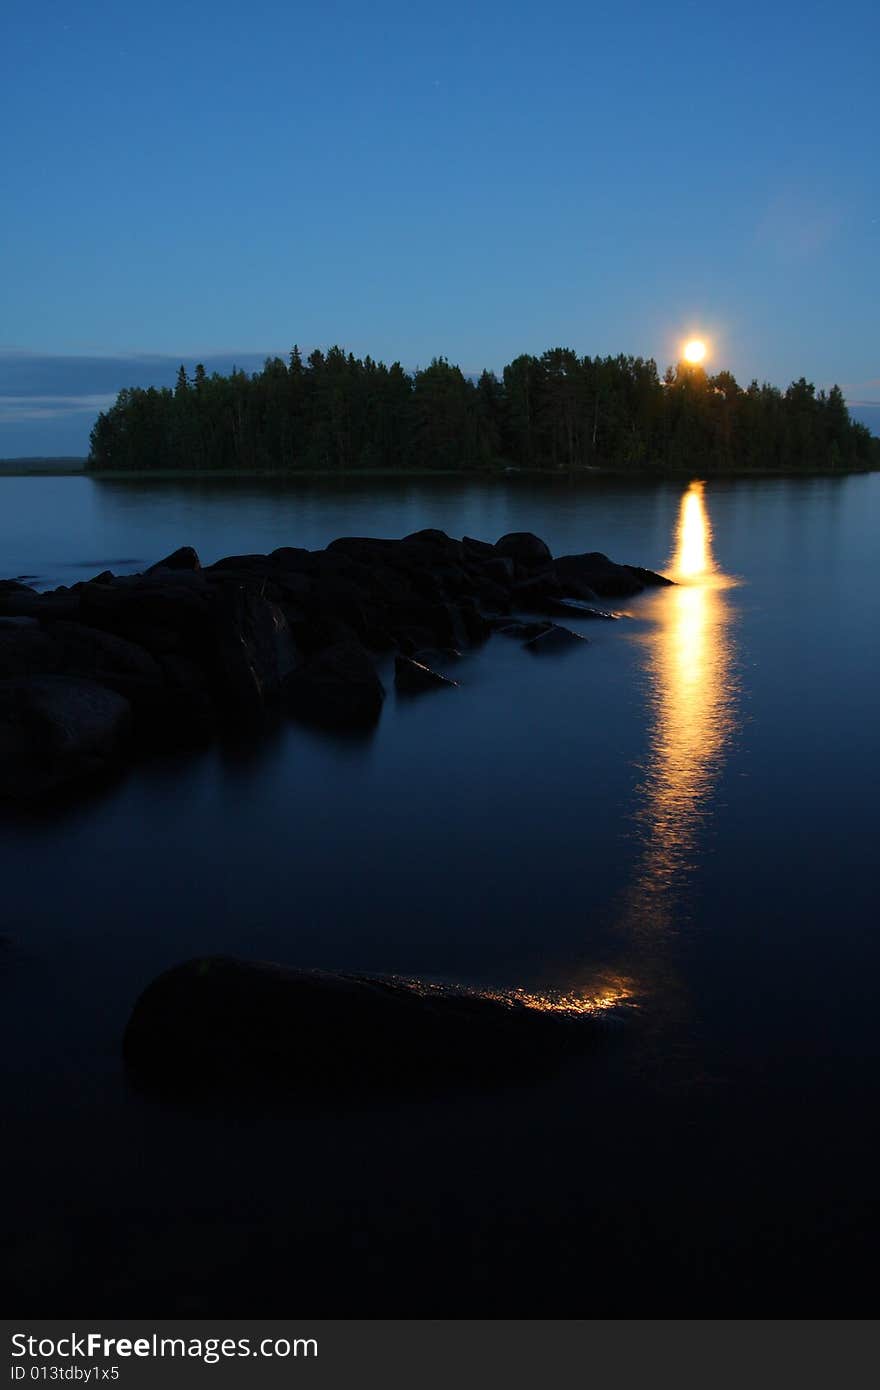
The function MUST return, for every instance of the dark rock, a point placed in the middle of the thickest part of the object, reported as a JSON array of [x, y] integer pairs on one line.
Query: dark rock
[[161, 713], [339, 597], [412, 640], [161, 580], [190, 649], [430, 656], [574, 608], [533, 595], [44, 607], [262, 582], [598, 573], [500, 569], [375, 635], [412, 677], [476, 624], [432, 537], [491, 596], [26, 649], [523, 632], [479, 548], [255, 565], [394, 581], [218, 1022], [183, 559], [338, 687], [143, 606], [415, 580], [238, 641], [337, 566], [160, 716], [255, 650], [454, 580], [289, 557], [57, 732], [365, 549], [167, 711], [429, 548], [293, 587], [320, 630], [555, 639], [98, 654], [429, 624], [578, 589], [524, 548], [648, 577], [185, 714]]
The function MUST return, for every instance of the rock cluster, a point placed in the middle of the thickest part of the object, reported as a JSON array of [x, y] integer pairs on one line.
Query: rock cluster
[[172, 657]]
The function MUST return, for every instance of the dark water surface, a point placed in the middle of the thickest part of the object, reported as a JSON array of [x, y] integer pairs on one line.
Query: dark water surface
[[678, 821]]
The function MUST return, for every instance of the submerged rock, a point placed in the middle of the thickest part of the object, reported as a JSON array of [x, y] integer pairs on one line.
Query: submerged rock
[[218, 1021]]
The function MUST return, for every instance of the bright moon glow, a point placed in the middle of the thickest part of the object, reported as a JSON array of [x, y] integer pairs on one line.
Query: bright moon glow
[[695, 350]]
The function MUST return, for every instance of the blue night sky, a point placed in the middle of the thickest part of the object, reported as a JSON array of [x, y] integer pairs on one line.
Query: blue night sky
[[215, 181]]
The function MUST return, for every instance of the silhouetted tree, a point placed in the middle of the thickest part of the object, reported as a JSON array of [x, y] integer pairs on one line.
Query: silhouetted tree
[[337, 413]]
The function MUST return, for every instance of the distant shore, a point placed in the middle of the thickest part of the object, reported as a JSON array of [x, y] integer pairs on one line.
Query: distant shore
[[66, 466], [45, 466]]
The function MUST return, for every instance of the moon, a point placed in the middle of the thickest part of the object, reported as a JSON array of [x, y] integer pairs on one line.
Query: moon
[[694, 350]]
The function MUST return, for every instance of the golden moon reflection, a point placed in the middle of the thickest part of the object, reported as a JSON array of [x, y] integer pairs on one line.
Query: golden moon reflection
[[692, 714], [692, 693]]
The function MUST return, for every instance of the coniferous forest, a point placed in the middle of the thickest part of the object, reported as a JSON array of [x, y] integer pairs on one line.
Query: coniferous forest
[[334, 412]]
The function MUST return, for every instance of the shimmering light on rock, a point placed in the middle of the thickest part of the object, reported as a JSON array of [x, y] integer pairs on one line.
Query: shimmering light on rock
[[606, 993], [601, 995]]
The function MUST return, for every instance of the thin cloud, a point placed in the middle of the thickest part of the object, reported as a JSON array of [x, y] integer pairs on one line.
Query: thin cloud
[[14, 409], [853, 389]]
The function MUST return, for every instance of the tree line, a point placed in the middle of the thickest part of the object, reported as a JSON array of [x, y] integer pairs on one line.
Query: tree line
[[333, 412]]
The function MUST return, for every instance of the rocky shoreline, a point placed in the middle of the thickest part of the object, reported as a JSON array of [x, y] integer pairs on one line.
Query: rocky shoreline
[[97, 674]]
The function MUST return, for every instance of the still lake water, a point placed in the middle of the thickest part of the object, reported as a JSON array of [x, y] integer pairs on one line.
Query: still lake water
[[679, 820]]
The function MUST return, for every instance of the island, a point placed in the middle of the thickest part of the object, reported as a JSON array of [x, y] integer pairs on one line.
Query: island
[[334, 414]]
